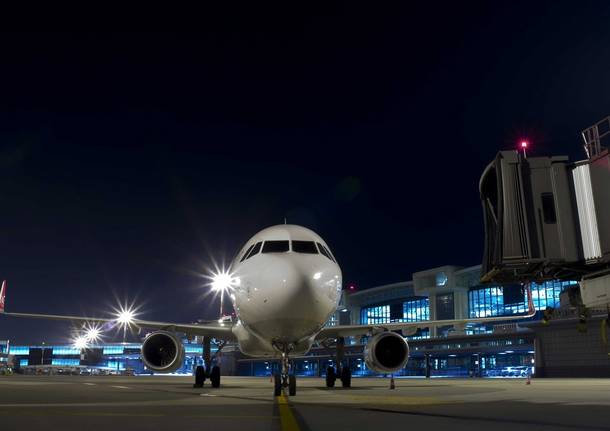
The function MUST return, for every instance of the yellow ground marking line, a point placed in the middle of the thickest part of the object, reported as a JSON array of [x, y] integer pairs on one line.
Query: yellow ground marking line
[[289, 423]]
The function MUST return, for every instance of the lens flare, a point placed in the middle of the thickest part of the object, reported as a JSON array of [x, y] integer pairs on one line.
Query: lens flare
[[80, 342], [223, 281], [93, 333], [125, 316]]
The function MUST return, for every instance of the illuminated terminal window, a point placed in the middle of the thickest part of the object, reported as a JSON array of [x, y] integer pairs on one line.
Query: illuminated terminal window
[[65, 350], [547, 294], [490, 301], [19, 350], [375, 315], [116, 365], [333, 321], [23, 362], [113, 350], [416, 310], [66, 362], [193, 348], [421, 334]]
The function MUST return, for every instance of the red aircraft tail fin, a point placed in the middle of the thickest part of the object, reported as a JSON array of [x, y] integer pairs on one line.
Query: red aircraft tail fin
[[2, 296]]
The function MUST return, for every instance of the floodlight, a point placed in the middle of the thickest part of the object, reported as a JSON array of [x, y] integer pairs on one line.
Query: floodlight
[[80, 342], [223, 281], [125, 316], [92, 333]]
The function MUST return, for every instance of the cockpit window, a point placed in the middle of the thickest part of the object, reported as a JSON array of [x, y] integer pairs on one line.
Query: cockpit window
[[255, 249], [246, 253], [276, 246], [325, 251], [304, 247]]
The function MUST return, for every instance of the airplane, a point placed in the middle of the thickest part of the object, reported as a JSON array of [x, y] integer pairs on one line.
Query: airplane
[[285, 283]]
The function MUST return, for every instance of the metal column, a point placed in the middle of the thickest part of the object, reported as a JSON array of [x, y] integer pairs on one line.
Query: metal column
[[207, 353]]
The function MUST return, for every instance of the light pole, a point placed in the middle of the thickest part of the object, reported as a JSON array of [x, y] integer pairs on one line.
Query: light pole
[[222, 296], [220, 282]]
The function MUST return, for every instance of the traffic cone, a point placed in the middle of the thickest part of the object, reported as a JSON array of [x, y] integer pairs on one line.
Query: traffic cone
[[392, 385]]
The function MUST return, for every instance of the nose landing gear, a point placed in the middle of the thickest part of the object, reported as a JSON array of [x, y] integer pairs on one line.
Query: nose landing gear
[[285, 379]]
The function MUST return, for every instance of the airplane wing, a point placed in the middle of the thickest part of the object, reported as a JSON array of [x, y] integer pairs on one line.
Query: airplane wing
[[217, 330], [362, 330]]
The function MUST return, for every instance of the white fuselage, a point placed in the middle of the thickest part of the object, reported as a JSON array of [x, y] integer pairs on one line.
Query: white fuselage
[[283, 295]]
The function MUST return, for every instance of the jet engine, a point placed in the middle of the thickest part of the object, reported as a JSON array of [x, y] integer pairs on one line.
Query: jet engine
[[163, 352], [386, 352]]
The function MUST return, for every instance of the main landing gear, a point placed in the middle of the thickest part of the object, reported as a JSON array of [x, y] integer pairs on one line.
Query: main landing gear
[[214, 372], [345, 374], [201, 375]]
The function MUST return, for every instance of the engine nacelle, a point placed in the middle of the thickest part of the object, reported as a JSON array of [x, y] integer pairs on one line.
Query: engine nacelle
[[386, 352], [163, 352]]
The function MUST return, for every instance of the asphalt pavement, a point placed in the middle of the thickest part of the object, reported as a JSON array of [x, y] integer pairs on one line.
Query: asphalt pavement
[[243, 403]]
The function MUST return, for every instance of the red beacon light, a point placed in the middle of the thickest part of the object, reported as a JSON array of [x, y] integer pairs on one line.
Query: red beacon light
[[523, 145]]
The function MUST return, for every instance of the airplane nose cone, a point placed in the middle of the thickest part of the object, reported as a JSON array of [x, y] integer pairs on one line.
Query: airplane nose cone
[[287, 284], [294, 297]]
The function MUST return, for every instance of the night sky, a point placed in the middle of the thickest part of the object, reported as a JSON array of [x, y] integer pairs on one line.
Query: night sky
[[129, 162]]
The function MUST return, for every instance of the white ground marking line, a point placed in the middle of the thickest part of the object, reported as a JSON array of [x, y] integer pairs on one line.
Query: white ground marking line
[[119, 387], [207, 395], [89, 384]]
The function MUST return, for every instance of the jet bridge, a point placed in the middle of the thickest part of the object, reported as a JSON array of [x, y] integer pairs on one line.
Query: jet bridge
[[549, 218]]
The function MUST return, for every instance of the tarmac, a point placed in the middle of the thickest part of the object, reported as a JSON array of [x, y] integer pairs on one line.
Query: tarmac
[[112, 403]]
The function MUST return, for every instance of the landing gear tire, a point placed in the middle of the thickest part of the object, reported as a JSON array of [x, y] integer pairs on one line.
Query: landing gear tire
[[215, 376], [346, 377], [292, 385], [277, 385], [330, 377], [199, 377]]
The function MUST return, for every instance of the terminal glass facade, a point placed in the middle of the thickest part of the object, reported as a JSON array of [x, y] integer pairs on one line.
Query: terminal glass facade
[[64, 350], [547, 294], [110, 357], [489, 301], [416, 310], [375, 315], [412, 310]]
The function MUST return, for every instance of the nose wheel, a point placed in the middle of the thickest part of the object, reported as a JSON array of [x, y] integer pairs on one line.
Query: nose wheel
[[285, 379]]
